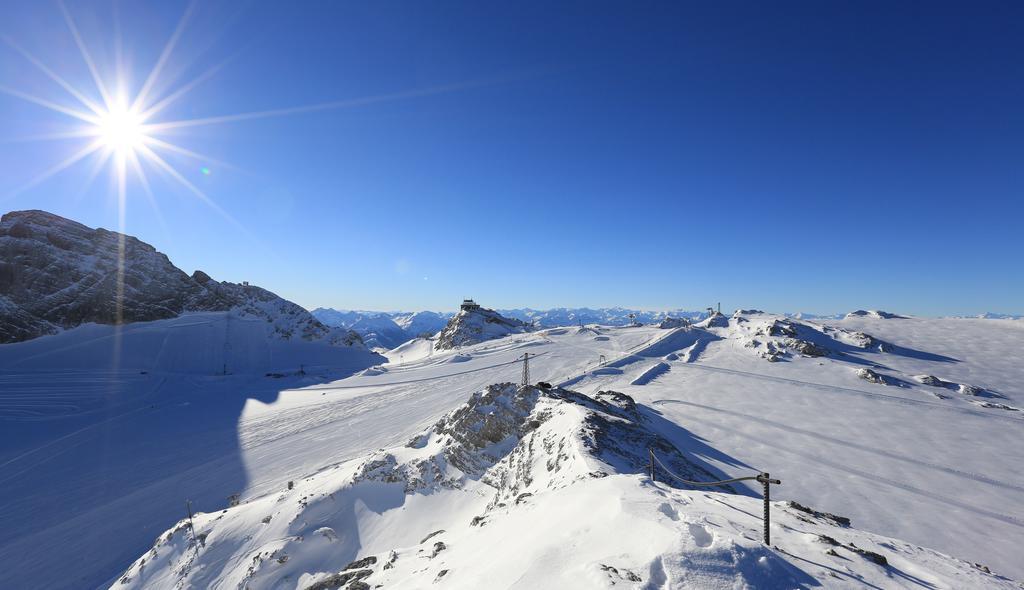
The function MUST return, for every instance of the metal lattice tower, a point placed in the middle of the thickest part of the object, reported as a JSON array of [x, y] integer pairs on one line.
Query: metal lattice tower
[[526, 369]]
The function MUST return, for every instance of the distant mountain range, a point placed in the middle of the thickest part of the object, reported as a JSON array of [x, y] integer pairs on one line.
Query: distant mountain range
[[388, 329]]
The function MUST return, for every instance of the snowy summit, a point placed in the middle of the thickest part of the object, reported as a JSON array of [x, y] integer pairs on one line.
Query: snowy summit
[[474, 324]]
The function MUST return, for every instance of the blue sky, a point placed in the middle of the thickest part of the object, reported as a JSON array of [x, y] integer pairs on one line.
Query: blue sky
[[814, 156]]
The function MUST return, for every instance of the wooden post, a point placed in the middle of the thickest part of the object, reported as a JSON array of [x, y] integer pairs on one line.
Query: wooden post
[[650, 457]]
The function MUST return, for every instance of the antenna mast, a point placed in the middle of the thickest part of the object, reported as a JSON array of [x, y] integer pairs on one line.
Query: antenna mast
[[526, 369]]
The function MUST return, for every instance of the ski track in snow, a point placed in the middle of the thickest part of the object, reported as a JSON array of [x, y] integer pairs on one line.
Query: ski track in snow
[[307, 429], [841, 389], [852, 444], [845, 468]]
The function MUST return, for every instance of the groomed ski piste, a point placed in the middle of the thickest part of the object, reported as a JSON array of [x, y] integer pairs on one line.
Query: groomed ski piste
[[909, 427]]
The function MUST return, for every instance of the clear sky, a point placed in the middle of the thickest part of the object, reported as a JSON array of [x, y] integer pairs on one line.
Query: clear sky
[[791, 156]]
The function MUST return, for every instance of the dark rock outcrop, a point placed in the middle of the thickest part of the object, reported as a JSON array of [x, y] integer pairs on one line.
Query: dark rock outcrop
[[56, 274]]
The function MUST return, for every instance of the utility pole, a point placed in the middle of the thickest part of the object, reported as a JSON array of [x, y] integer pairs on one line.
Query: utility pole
[[191, 527], [526, 369]]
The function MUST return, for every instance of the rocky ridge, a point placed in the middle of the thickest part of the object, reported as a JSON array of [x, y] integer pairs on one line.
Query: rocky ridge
[[472, 326], [56, 274]]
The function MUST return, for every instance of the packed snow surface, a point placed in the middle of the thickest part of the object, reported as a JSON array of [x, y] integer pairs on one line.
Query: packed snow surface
[[96, 463], [527, 488]]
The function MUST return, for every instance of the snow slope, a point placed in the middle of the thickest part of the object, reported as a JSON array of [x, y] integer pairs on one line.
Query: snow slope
[[941, 472], [528, 488], [105, 430], [927, 464]]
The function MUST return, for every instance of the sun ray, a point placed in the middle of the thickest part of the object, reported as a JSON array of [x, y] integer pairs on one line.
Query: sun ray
[[69, 161], [94, 171], [183, 90], [153, 141], [140, 98], [155, 158], [97, 79], [50, 105], [324, 106], [74, 134], [140, 172], [92, 106]]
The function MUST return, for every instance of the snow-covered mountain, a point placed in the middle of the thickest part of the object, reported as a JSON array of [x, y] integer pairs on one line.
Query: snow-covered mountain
[[371, 324], [909, 427], [422, 323], [605, 316], [989, 315], [474, 324], [379, 331], [533, 488], [341, 318], [57, 274], [874, 313]]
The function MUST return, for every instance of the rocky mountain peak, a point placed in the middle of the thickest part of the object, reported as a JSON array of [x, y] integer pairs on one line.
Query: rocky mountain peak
[[56, 274], [474, 324]]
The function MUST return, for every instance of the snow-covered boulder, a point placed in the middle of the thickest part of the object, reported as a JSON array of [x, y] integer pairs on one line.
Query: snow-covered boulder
[[475, 325]]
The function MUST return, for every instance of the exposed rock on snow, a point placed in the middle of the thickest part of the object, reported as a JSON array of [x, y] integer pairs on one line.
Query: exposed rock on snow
[[778, 328], [968, 389], [485, 494], [472, 326], [671, 322], [962, 388], [806, 348], [57, 274], [715, 320], [872, 377], [930, 380]]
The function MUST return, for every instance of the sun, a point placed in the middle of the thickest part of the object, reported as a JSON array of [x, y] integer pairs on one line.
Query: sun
[[121, 129], [126, 128]]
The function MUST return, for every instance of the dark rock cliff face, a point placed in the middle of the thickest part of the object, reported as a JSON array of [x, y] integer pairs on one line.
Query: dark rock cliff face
[[57, 274]]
